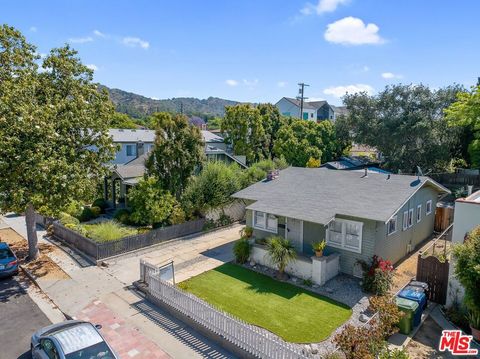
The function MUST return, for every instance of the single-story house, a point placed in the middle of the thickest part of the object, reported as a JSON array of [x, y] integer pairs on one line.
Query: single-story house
[[358, 213]]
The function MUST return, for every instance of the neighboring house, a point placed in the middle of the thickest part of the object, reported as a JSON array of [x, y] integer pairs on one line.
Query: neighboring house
[[197, 122], [358, 215], [312, 111], [132, 143], [466, 217], [135, 145]]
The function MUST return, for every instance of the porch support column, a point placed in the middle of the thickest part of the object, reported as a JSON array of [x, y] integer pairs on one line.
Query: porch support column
[[114, 195], [105, 188]]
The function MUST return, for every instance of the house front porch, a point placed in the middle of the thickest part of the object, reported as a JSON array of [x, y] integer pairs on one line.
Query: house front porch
[[349, 240]]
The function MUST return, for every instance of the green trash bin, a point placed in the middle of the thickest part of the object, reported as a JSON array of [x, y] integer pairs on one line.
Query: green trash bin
[[408, 307]]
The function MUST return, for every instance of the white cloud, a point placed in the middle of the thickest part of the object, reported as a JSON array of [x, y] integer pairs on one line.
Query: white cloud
[[339, 91], [391, 75], [353, 31], [322, 6], [33, 29], [80, 40], [92, 67], [231, 83], [313, 99], [135, 41], [282, 83], [99, 34]]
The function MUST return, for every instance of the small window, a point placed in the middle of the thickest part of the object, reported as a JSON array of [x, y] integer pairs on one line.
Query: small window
[[259, 220], [130, 150], [410, 217], [305, 115], [272, 222], [311, 115], [405, 220], [265, 221], [428, 207], [392, 225], [419, 213]]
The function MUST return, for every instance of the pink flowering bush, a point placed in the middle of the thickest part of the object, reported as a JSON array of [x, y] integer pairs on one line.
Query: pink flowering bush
[[377, 276]]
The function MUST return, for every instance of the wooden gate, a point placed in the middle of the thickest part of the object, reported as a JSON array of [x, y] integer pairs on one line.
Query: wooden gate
[[434, 272]]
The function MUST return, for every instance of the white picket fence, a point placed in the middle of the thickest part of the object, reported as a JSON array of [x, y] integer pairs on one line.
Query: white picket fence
[[256, 341]]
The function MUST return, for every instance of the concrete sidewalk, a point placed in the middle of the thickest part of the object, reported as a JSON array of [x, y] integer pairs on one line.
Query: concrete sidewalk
[[92, 284]]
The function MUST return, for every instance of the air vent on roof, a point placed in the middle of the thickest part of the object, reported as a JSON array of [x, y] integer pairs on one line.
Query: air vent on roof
[[366, 173], [271, 175]]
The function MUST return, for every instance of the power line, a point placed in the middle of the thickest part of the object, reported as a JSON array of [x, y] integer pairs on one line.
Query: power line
[[301, 96]]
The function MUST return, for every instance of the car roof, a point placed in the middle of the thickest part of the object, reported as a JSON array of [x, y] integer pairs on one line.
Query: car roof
[[77, 337]]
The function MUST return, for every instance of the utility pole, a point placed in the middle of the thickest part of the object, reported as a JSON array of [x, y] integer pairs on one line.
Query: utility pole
[[181, 108], [301, 97]]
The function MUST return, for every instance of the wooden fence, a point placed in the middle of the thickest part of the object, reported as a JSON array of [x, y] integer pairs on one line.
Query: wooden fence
[[460, 179], [433, 267], [251, 339], [126, 244]]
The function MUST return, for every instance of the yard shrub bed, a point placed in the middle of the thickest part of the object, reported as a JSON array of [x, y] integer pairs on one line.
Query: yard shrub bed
[[293, 313]]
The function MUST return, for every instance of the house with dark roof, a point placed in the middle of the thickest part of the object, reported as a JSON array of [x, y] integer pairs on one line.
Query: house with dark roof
[[312, 111], [358, 213]]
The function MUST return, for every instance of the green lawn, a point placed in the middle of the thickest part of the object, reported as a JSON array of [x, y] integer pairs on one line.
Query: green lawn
[[295, 314]]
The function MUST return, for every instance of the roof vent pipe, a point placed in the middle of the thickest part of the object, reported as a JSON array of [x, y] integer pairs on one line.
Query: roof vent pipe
[[388, 177], [366, 173]]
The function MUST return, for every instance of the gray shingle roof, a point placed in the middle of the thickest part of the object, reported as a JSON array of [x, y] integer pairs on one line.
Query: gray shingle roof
[[130, 171], [318, 194], [120, 135]]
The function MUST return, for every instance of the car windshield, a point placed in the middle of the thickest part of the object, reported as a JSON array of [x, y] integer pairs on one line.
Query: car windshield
[[97, 351], [5, 253]]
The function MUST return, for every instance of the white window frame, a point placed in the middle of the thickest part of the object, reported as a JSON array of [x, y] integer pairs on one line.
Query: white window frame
[[410, 217], [405, 221], [428, 204], [394, 218], [344, 232], [419, 213], [263, 225]]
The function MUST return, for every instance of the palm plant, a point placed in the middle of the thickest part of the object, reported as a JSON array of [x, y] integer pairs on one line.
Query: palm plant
[[281, 252]]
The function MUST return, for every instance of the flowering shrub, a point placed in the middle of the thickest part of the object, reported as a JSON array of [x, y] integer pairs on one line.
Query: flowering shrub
[[378, 276]]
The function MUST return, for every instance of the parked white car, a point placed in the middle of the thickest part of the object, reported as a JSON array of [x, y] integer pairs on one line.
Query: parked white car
[[72, 339]]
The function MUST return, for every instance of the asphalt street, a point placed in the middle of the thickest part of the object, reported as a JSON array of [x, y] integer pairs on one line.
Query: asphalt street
[[19, 318]]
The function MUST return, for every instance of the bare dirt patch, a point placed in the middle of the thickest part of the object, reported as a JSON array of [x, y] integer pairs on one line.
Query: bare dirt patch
[[43, 267]]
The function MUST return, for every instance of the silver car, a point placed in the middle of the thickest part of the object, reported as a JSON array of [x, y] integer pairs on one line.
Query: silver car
[[72, 339]]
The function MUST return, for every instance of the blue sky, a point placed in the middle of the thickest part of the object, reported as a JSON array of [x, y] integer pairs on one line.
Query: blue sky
[[259, 50]]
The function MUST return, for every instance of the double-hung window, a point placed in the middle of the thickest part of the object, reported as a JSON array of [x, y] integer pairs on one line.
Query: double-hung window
[[265, 221], [392, 225], [130, 150], [345, 234], [428, 207], [410, 217], [405, 220], [419, 213]]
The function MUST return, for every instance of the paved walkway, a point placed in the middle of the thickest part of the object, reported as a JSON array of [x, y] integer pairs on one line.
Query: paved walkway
[[89, 284], [127, 340], [191, 256]]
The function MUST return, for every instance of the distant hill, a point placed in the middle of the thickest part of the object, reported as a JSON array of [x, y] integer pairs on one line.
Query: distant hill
[[140, 106]]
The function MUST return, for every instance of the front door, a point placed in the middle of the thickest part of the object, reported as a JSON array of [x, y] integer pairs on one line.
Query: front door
[[294, 233]]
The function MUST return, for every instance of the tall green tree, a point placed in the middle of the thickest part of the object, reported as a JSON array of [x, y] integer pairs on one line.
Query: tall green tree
[[53, 129], [177, 151], [300, 140], [406, 123], [465, 115], [244, 130], [122, 120], [271, 121]]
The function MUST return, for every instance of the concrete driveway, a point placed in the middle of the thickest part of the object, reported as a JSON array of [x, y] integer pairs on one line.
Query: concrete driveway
[[191, 256]]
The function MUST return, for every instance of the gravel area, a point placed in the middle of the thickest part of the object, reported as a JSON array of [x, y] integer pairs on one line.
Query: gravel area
[[342, 288]]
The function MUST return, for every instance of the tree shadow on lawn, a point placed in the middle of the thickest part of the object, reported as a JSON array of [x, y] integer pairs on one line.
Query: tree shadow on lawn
[[263, 284]]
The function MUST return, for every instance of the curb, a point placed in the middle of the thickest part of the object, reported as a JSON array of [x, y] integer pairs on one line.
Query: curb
[[34, 281]]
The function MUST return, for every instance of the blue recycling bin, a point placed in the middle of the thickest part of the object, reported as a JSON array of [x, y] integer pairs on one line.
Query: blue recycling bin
[[418, 297], [418, 289]]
